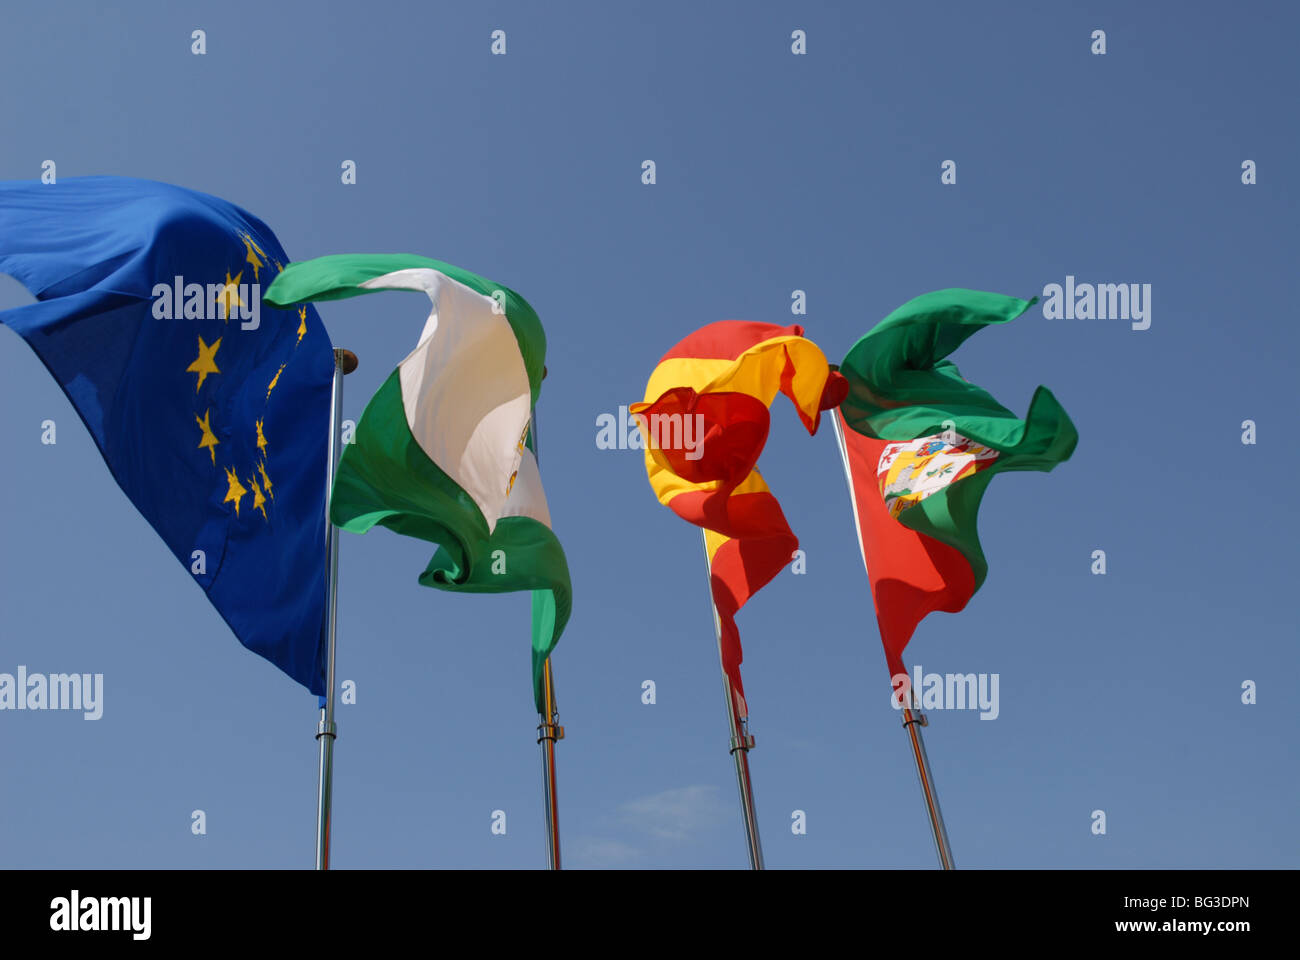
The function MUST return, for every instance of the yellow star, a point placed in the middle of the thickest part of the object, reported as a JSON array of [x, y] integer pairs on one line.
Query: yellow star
[[274, 381], [259, 501], [302, 323], [236, 491], [266, 481], [209, 439], [253, 250], [228, 299], [206, 362], [261, 438], [279, 267]]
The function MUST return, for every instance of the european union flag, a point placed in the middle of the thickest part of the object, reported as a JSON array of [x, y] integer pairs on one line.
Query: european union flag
[[212, 417]]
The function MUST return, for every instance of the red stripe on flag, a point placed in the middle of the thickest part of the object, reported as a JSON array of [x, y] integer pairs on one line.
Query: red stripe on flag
[[911, 575], [762, 545], [728, 339], [732, 431]]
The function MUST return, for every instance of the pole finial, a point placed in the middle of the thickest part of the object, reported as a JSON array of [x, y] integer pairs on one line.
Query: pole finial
[[346, 359]]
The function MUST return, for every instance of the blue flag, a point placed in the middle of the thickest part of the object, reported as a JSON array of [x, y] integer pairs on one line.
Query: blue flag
[[212, 414]]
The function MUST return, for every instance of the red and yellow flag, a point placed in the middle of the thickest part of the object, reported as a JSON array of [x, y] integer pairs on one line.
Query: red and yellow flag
[[704, 421]]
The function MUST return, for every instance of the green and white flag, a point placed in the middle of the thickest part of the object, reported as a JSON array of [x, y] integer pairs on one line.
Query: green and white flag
[[444, 450]]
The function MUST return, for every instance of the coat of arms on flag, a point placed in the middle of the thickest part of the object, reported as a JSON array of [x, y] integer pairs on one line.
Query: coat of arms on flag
[[911, 471]]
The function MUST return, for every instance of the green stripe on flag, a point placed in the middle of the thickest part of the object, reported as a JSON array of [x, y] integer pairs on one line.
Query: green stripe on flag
[[901, 388], [388, 475], [339, 276]]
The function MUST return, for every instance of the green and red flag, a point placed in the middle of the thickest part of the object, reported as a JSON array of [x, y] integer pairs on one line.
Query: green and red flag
[[923, 444]]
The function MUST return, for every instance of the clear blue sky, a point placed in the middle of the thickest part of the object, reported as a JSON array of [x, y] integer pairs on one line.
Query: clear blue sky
[[775, 172]]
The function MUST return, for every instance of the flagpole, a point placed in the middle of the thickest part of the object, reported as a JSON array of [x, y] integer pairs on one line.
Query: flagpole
[[345, 361], [548, 723], [741, 741], [549, 731], [913, 721]]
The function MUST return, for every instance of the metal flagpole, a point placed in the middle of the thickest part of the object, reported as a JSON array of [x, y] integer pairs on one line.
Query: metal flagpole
[[741, 741], [913, 720], [345, 361], [549, 731], [548, 728]]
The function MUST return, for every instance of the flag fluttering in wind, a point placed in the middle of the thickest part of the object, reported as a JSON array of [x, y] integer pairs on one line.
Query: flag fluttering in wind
[[444, 450], [705, 421], [211, 417], [923, 444]]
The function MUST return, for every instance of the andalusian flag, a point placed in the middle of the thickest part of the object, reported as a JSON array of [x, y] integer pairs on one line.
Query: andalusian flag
[[923, 445], [705, 420], [444, 450]]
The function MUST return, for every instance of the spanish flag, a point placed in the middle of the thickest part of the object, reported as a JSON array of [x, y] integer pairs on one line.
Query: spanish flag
[[704, 421]]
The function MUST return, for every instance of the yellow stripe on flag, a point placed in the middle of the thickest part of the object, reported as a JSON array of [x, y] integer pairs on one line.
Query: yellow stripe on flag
[[756, 372], [712, 541], [667, 484]]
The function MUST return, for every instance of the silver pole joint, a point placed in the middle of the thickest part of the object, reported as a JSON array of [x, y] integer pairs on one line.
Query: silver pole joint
[[743, 741], [549, 731], [327, 729], [915, 717]]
